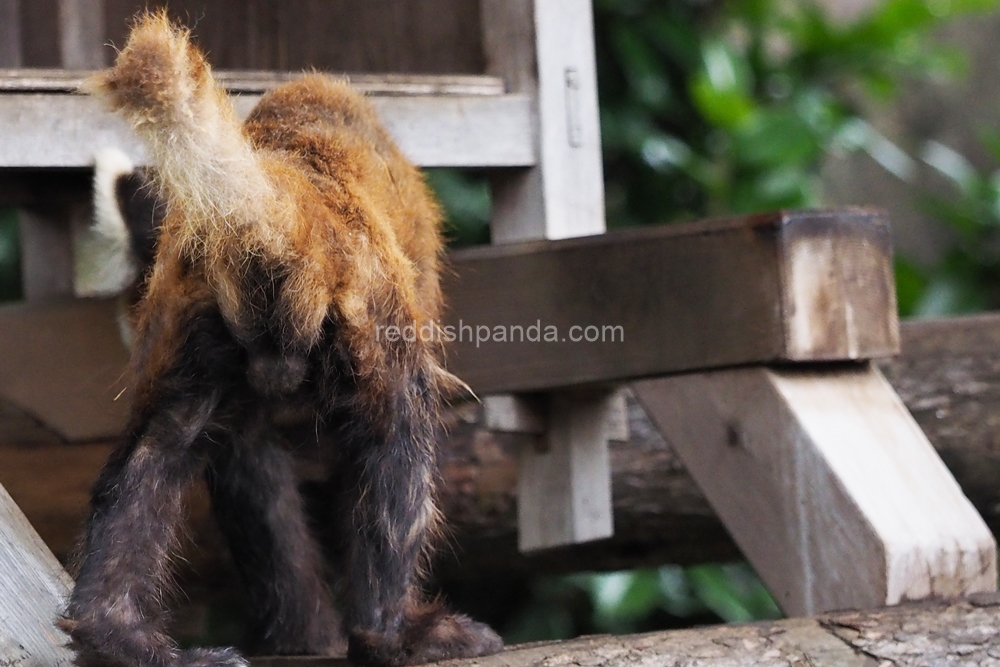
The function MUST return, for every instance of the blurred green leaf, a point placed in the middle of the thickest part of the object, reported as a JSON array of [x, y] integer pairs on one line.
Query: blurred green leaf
[[465, 200]]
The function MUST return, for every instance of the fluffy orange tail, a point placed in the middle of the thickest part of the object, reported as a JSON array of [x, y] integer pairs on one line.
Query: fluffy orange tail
[[163, 86]]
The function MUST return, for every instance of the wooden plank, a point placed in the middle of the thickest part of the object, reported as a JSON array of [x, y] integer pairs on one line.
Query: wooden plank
[[563, 196], [81, 34], [33, 589], [53, 130], [43, 347], [10, 33], [40, 33], [564, 478], [672, 299], [827, 484], [257, 82], [965, 632], [672, 283], [372, 36], [564, 492], [47, 250]]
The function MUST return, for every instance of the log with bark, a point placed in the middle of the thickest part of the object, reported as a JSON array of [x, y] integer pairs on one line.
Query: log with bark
[[948, 375], [935, 634]]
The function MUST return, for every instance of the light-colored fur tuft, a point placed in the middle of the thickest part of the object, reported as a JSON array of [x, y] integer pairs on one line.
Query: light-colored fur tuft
[[207, 170], [103, 262]]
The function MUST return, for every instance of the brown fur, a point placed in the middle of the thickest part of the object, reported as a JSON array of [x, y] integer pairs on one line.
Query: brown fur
[[287, 242]]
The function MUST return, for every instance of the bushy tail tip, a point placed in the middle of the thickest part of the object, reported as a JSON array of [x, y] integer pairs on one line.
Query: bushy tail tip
[[158, 73]]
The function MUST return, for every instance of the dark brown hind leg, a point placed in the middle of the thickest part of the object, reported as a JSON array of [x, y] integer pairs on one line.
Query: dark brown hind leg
[[387, 477], [115, 613], [114, 616], [256, 501]]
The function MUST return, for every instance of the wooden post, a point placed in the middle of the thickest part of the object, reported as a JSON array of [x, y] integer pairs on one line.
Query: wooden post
[[10, 33], [47, 249], [81, 34], [827, 484], [33, 589], [47, 233], [564, 491]]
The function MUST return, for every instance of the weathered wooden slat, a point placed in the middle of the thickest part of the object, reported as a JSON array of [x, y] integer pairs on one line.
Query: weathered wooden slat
[[81, 33], [546, 50], [10, 33], [809, 286], [59, 130], [33, 589], [63, 365], [39, 80], [676, 298]]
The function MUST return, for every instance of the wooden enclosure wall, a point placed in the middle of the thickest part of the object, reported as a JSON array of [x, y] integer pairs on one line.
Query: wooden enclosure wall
[[418, 36]]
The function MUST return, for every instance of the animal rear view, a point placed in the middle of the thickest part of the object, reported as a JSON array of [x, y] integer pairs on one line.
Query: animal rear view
[[288, 243]]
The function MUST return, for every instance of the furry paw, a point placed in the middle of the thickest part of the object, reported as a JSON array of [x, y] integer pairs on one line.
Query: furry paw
[[435, 636], [210, 657]]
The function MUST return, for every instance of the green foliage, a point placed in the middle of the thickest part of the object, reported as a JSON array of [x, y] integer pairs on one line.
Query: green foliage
[[465, 199], [968, 277], [640, 600], [719, 108]]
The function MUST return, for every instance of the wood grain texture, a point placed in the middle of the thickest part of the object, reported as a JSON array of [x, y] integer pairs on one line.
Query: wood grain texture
[[670, 299], [714, 290], [53, 130], [33, 589], [10, 33], [43, 347], [81, 34], [827, 484], [913, 635], [428, 36]]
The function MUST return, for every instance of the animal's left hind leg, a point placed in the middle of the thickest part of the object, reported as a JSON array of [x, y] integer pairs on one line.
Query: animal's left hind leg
[[387, 476], [256, 500], [114, 616]]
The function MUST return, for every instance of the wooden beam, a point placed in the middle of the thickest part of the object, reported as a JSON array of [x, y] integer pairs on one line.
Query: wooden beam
[[43, 346], [789, 286], [10, 33], [438, 121], [33, 590], [955, 633], [686, 297], [81, 34], [564, 487], [827, 484], [258, 82]]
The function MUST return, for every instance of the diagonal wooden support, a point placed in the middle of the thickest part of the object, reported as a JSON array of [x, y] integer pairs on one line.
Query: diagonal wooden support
[[33, 588], [564, 493], [827, 484]]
